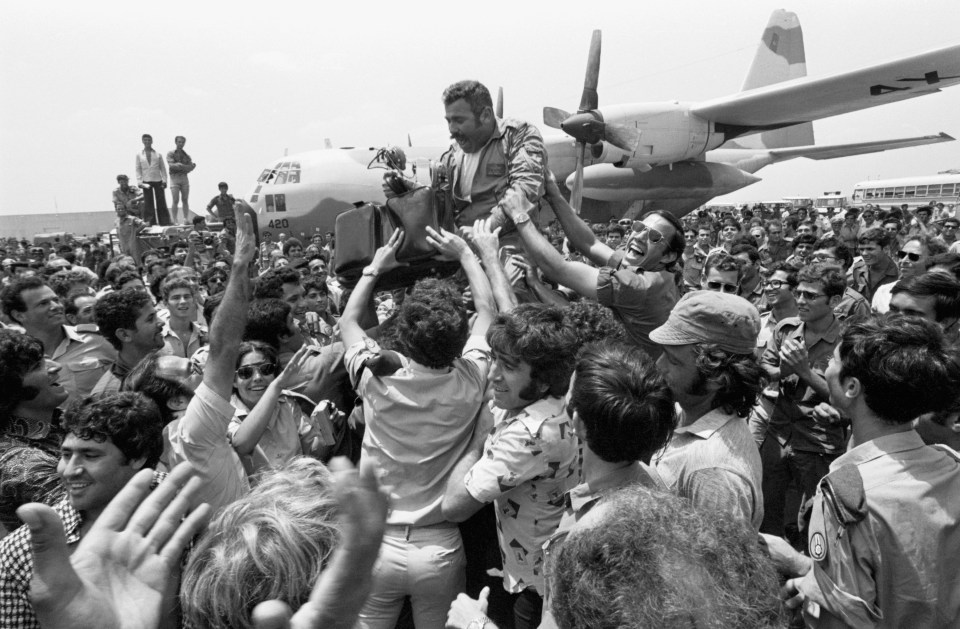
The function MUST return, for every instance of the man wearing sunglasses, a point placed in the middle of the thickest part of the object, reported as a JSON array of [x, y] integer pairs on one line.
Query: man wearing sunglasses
[[799, 447], [913, 260], [721, 274], [949, 234], [634, 282]]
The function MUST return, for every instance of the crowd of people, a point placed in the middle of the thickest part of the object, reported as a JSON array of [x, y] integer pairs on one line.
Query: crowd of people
[[741, 418]]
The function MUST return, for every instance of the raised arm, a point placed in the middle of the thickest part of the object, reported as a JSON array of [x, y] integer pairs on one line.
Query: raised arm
[[226, 329], [452, 247], [488, 245], [578, 232], [384, 260]]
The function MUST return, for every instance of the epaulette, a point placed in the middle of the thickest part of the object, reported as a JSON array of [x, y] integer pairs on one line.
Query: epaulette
[[843, 490]]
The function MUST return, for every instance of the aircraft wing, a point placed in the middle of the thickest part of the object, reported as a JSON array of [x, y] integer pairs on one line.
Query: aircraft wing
[[857, 148], [807, 99]]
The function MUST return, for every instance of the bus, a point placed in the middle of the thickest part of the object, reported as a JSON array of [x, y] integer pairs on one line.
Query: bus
[[830, 203], [912, 191]]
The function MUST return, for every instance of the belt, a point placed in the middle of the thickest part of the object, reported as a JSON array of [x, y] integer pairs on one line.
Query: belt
[[403, 530]]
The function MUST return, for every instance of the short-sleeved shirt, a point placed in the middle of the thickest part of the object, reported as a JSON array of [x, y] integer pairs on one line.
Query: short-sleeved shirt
[[280, 442], [173, 345], [200, 437], [84, 357], [897, 567], [16, 565], [714, 462], [642, 301], [858, 277], [529, 461], [419, 422], [793, 421], [852, 304]]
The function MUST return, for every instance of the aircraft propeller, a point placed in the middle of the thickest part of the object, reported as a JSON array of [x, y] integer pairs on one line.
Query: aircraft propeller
[[587, 125], [499, 109]]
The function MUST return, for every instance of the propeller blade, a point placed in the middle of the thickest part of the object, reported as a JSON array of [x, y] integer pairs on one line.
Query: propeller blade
[[590, 101], [499, 110], [622, 136], [576, 193], [553, 117]]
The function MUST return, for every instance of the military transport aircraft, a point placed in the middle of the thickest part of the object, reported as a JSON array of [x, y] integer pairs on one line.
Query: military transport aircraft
[[632, 157]]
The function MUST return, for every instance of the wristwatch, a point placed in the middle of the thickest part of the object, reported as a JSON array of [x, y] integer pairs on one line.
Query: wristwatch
[[520, 218], [369, 271], [481, 622]]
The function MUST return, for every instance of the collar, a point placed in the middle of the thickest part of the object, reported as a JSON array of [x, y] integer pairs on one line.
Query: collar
[[706, 425], [831, 335], [881, 446], [637, 472], [535, 414], [72, 334]]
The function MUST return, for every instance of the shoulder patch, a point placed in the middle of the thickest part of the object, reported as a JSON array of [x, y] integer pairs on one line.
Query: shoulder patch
[[818, 546]]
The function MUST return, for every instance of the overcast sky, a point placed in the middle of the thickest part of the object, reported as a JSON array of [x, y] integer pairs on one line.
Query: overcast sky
[[81, 81]]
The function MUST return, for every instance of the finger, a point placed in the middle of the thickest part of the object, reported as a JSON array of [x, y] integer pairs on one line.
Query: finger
[[484, 595], [496, 232], [271, 615], [149, 511], [433, 242], [395, 237], [479, 226], [167, 521], [432, 232], [53, 574], [119, 510], [184, 533]]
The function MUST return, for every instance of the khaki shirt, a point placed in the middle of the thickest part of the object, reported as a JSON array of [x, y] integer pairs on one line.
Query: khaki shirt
[[85, 357], [898, 566]]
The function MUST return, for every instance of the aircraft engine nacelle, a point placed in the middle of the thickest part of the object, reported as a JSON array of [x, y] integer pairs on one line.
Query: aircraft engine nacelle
[[669, 133], [605, 182]]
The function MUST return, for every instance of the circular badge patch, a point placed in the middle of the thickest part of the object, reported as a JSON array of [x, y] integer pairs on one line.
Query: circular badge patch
[[818, 546]]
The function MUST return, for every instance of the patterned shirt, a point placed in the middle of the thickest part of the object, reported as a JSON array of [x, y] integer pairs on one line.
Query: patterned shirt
[[16, 565], [529, 462]]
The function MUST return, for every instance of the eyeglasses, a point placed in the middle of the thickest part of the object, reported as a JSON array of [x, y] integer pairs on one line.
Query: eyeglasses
[[808, 295], [722, 287], [778, 284], [264, 369], [914, 257], [950, 226], [653, 235]]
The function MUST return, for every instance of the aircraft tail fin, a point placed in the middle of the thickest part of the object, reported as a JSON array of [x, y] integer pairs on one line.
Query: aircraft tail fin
[[780, 57]]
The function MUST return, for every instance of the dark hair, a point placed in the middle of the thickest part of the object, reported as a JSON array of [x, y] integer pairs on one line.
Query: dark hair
[[804, 239], [844, 256], [432, 324], [933, 245], [270, 284], [724, 262], [543, 338], [738, 377], [750, 250], [171, 284], [789, 269], [595, 322], [222, 184], [149, 252], [904, 364], [679, 242], [19, 354], [943, 287], [312, 282], [730, 222], [616, 229], [70, 301], [266, 321], [179, 137], [11, 297], [65, 281], [212, 272], [623, 401], [131, 421], [950, 219], [950, 262], [289, 243], [210, 306], [828, 275], [651, 559], [143, 378], [124, 277], [119, 309], [474, 92], [145, 136], [876, 235]]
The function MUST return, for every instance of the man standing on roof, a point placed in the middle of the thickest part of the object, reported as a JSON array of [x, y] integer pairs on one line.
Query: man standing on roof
[[152, 177], [180, 165]]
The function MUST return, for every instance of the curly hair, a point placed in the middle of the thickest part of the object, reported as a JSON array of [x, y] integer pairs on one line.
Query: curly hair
[[623, 401], [432, 324], [64, 282], [595, 322], [875, 235], [19, 354], [475, 93], [723, 262], [830, 276], [738, 378], [542, 337], [267, 321], [289, 244], [653, 560], [119, 310], [903, 363], [270, 284], [131, 421], [11, 297], [171, 284], [271, 544]]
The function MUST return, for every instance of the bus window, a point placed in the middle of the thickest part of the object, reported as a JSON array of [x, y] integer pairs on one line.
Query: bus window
[[909, 191], [933, 191], [888, 193], [921, 191], [947, 190], [898, 192]]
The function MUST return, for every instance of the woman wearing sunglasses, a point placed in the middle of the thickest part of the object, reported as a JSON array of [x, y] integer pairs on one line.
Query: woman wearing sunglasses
[[269, 428]]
